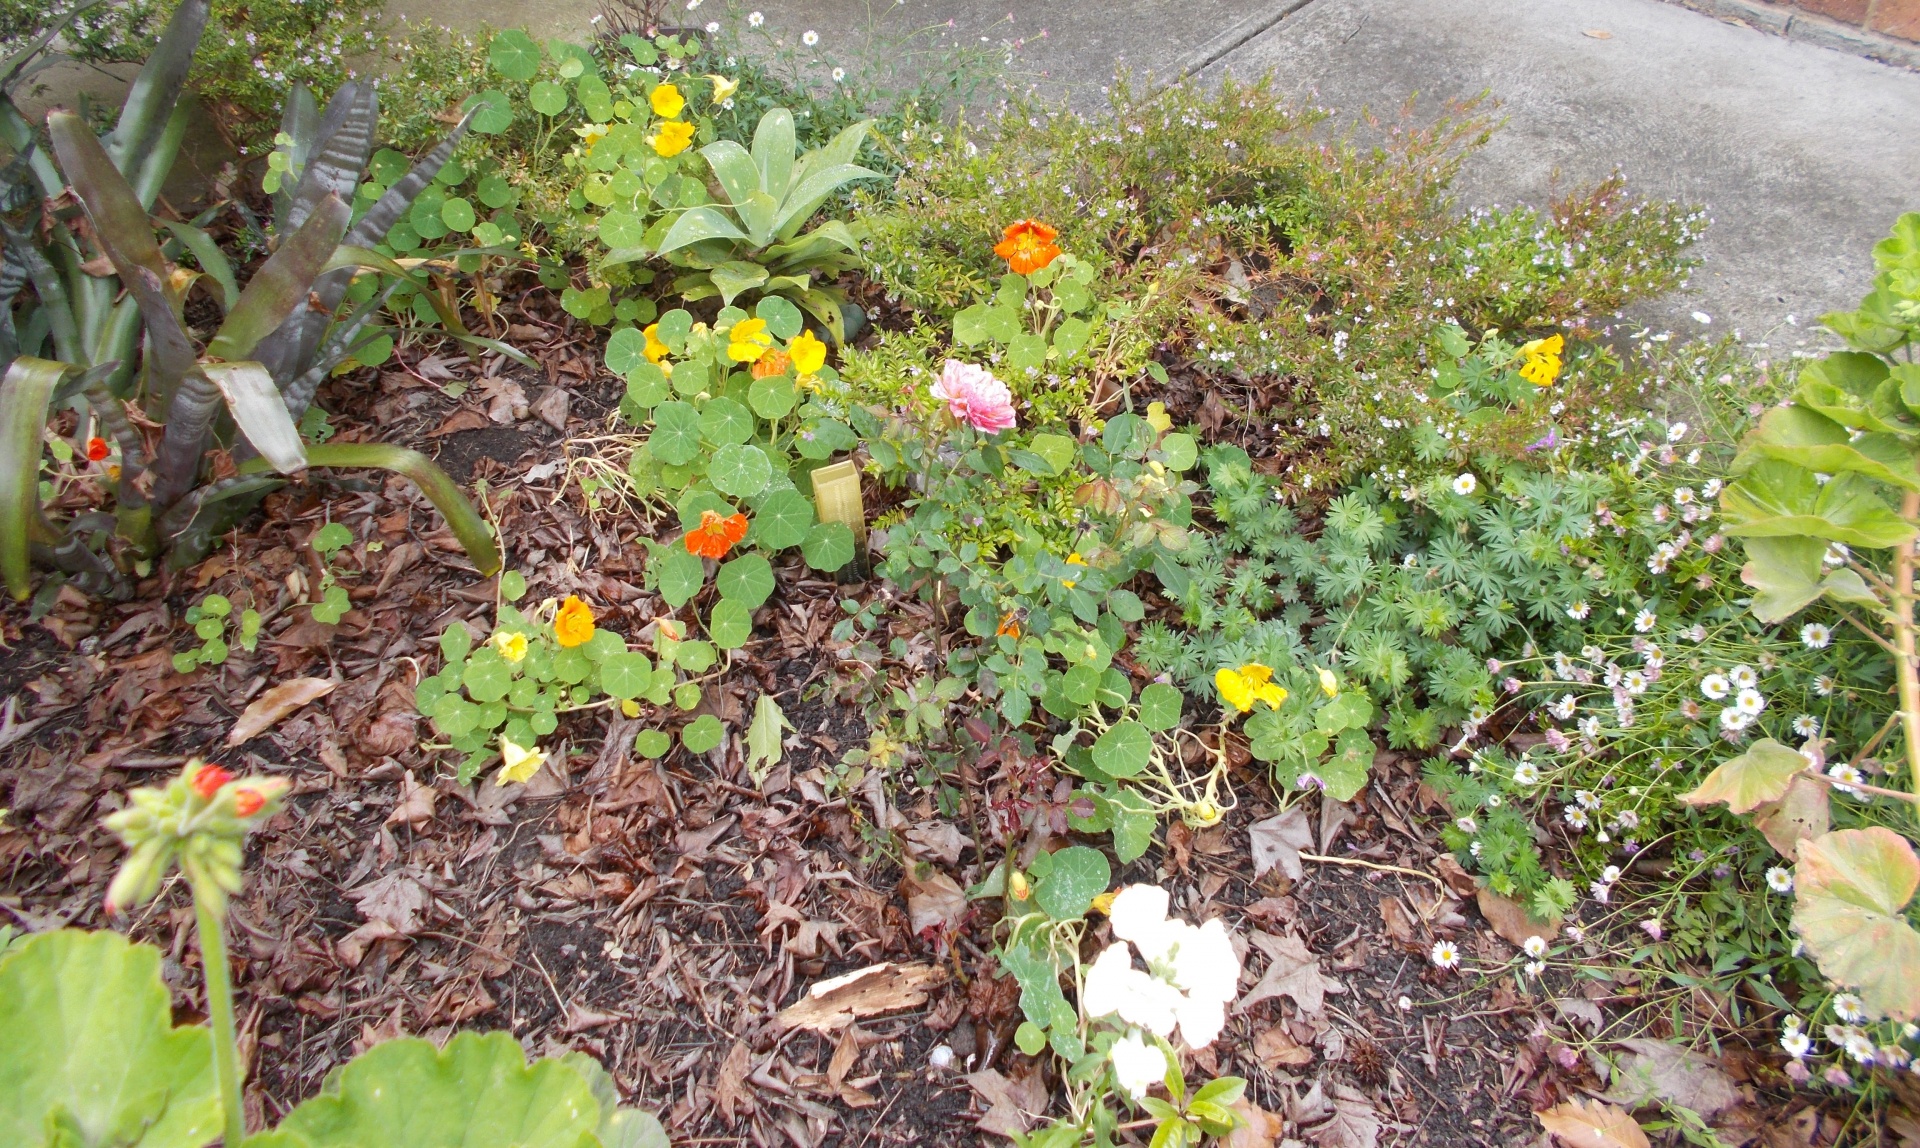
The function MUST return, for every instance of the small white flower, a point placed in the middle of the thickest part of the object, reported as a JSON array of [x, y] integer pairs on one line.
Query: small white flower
[[1137, 1065], [1578, 611], [1526, 773], [712, 27], [1601, 891], [1816, 636], [755, 19], [1796, 1043], [1677, 431], [1587, 798], [1733, 719], [1575, 934], [1824, 686], [1576, 817], [1849, 1008], [1590, 727], [1780, 879], [1473, 847], [1635, 682], [1493, 801], [1564, 708], [1743, 677], [1445, 955], [1806, 725], [839, 75], [1645, 620], [1405, 1002], [1593, 654], [1715, 687], [1750, 702], [1468, 825], [1535, 946], [809, 37], [1846, 777], [1535, 968], [1610, 874], [1860, 1048], [1465, 484]]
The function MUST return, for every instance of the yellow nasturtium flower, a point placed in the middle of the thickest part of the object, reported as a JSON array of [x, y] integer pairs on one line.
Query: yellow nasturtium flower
[[517, 762], [656, 350], [667, 101], [1019, 886], [808, 353], [747, 340], [511, 646], [1329, 685], [1542, 360], [672, 138], [723, 88], [592, 134], [1250, 683], [1073, 559], [1158, 418]]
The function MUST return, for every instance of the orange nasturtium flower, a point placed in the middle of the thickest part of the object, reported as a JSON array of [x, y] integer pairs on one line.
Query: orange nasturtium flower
[[247, 802], [716, 535], [573, 625], [672, 138], [1009, 626], [1027, 246], [774, 362], [96, 449]]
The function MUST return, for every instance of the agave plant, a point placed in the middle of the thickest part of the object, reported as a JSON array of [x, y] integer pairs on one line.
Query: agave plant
[[752, 245], [243, 392]]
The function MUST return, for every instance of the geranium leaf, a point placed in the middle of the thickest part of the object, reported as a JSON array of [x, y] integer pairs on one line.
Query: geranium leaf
[[1851, 888], [1759, 775]]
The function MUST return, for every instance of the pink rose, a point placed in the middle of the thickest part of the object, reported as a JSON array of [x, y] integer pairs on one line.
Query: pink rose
[[975, 397]]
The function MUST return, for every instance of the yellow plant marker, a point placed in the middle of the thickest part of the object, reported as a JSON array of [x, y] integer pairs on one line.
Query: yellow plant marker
[[836, 496]]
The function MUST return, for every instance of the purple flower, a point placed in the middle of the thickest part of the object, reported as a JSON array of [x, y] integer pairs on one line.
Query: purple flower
[[1546, 441]]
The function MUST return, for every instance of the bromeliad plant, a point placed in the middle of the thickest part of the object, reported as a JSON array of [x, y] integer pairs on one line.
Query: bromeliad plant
[[95, 1058], [227, 412]]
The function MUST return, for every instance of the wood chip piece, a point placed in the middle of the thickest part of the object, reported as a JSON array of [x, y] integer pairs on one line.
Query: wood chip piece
[[276, 703], [873, 991]]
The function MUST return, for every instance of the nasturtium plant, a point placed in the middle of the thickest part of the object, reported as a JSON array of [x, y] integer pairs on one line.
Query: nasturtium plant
[[210, 620]]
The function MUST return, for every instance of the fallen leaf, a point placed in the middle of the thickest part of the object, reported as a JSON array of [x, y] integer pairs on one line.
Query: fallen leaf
[[267, 709], [1261, 1129], [938, 841], [873, 991], [1291, 970], [935, 902], [1592, 1125], [1399, 924], [415, 806], [550, 407], [1334, 816], [1660, 1070], [395, 899], [845, 1055], [1276, 1048], [506, 400], [391, 733], [1512, 922], [464, 419], [730, 1089], [1012, 1104], [1459, 882], [1580, 1009], [1354, 1123], [1804, 811], [1278, 841], [1597, 33]]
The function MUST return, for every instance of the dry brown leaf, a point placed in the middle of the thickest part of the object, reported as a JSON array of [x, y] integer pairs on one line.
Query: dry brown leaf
[[391, 733], [1399, 924], [1291, 970], [1011, 1103], [1459, 882], [1512, 922], [550, 407], [937, 841], [1278, 841], [261, 714], [1805, 810], [935, 902], [845, 1054], [1276, 1048], [1354, 1123], [873, 991], [464, 419], [1261, 1130], [1659, 1070], [730, 1089], [1592, 1125], [415, 806]]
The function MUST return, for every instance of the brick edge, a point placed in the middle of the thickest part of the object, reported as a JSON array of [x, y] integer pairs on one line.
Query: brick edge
[[1811, 29]]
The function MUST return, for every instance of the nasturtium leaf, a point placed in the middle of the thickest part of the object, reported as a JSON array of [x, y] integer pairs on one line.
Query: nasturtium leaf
[[513, 584], [1058, 450], [626, 349], [487, 677], [1079, 683], [1351, 710], [783, 318], [1039, 981], [1026, 352], [695, 657], [1070, 336], [647, 385], [1160, 706], [1179, 451], [651, 743], [458, 215], [1079, 874], [783, 520], [674, 327], [702, 733], [747, 579], [1345, 773], [1133, 823], [1757, 776], [726, 421], [622, 229], [547, 98], [829, 546], [626, 676], [686, 695], [454, 715], [676, 433], [571, 667], [493, 112], [1030, 1038], [730, 624], [92, 1055], [772, 397], [479, 1092], [514, 55], [494, 191], [678, 574], [1124, 750], [823, 438], [1851, 888], [739, 470]]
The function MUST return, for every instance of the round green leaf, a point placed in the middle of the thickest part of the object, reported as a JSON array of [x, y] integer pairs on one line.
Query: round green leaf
[[458, 215], [783, 520], [651, 743], [547, 98], [702, 734], [695, 657], [494, 190], [726, 421], [783, 318], [1030, 1038], [487, 678], [730, 624], [741, 471], [622, 229], [626, 676], [1179, 451], [676, 433], [514, 55], [747, 580], [1124, 750], [678, 574], [1160, 706], [1079, 874], [772, 397], [388, 166], [493, 113], [648, 385], [626, 349], [828, 547]]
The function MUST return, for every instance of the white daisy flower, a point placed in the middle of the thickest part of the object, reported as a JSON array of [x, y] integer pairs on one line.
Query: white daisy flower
[[1535, 946], [1645, 620], [1636, 682], [1743, 677], [1806, 725], [1526, 773], [1850, 1008], [1780, 879], [1796, 1043], [1824, 686], [1535, 968], [1593, 654], [1715, 687], [1578, 611], [839, 75], [1610, 874], [1590, 727], [1564, 708], [1445, 955], [755, 19], [1816, 636], [1846, 776], [1860, 1048], [1465, 484], [1468, 825], [1576, 817], [1587, 798], [1750, 702], [1733, 720], [809, 37], [1601, 891]]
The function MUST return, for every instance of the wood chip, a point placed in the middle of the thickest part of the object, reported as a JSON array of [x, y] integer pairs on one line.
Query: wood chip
[[873, 991], [277, 703]]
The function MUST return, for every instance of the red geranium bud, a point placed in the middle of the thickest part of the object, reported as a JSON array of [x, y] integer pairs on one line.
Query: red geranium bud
[[247, 802], [208, 781], [96, 448]]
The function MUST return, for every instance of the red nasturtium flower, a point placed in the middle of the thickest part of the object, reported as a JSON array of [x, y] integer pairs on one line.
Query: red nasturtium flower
[[96, 448], [208, 781], [716, 535], [1027, 246], [247, 802]]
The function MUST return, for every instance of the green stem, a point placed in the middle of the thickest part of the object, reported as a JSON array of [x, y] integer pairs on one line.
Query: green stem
[[211, 924]]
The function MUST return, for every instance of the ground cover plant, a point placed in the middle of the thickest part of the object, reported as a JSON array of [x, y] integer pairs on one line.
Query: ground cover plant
[[1150, 628]]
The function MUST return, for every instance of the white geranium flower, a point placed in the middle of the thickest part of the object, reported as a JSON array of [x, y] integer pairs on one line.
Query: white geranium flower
[[1139, 914], [1115, 986], [1194, 973], [1137, 1065], [1715, 687], [1816, 636]]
